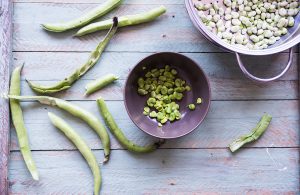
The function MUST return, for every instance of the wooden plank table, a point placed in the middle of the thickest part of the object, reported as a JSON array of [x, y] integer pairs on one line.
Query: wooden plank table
[[198, 163]]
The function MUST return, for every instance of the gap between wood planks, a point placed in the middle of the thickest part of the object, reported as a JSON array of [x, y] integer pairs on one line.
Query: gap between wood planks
[[144, 2], [213, 148]]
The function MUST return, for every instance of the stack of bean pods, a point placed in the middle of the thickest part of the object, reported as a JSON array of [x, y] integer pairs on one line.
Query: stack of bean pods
[[84, 115], [255, 24]]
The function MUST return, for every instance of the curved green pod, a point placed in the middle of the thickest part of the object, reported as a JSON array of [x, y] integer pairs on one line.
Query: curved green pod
[[117, 132], [81, 146], [128, 20], [78, 112], [260, 128], [93, 59], [18, 121], [84, 19]]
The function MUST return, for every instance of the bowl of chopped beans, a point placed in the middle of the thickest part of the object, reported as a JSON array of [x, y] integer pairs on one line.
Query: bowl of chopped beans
[[167, 95], [249, 27]]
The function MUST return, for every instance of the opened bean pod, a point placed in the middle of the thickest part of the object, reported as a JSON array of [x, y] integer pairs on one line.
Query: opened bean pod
[[93, 59]]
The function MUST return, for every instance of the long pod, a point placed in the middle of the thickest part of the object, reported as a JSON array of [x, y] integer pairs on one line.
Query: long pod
[[76, 111], [100, 83], [18, 121], [254, 135], [128, 20], [117, 132], [84, 19], [82, 147], [93, 59]]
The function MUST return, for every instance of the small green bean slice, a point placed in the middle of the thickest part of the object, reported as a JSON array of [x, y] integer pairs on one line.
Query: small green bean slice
[[18, 121], [192, 106], [85, 19], [124, 21], [117, 132], [81, 146], [93, 59], [76, 111], [100, 83]]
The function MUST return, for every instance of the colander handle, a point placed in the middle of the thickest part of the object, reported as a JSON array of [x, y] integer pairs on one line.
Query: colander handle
[[250, 76]]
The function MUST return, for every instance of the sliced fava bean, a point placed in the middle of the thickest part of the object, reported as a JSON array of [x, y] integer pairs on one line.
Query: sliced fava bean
[[199, 100], [192, 106], [81, 146], [85, 19], [76, 111], [117, 132], [18, 121], [93, 59], [100, 83]]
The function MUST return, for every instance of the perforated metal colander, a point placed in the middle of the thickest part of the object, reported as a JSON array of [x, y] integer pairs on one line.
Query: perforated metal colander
[[287, 41]]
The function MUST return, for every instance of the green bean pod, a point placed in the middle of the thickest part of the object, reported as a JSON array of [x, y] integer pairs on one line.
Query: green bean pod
[[100, 83], [76, 111], [18, 121], [93, 59], [84, 19], [81, 146], [117, 132], [128, 20], [254, 135]]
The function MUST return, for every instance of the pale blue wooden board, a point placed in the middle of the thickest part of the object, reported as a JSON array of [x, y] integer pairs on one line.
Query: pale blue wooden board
[[226, 120], [195, 164], [177, 171]]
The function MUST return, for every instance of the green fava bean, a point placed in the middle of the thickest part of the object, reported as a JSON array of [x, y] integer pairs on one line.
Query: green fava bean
[[151, 102], [164, 90], [187, 88], [82, 147], [141, 82], [153, 114], [199, 100], [174, 72], [172, 117], [142, 92], [192, 106], [178, 82], [147, 109], [117, 132], [178, 96]]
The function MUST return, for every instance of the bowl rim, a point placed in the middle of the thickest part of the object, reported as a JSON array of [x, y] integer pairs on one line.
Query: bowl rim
[[209, 95]]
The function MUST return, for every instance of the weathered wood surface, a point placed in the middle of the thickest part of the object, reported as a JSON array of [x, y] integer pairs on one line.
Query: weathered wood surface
[[5, 60], [198, 163], [179, 33], [227, 81], [178, 171], [217, 131]]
